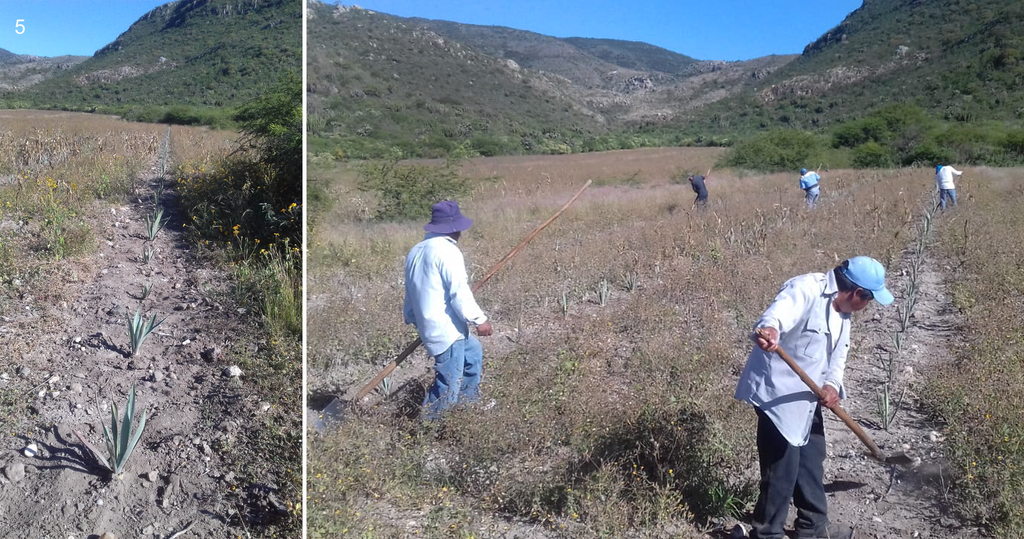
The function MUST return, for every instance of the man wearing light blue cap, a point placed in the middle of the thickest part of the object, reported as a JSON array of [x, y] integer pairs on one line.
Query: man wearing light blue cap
[[810, 319], [440, 303], [809, 183]]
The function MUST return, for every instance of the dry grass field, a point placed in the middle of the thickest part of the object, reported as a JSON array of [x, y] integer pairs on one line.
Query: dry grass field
[[613, 412]]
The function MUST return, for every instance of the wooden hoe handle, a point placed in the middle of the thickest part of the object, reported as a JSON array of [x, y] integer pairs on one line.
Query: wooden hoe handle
[[837, 409]]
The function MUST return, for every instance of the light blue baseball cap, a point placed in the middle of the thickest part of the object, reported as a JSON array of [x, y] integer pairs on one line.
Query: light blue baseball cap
[[869, 274]]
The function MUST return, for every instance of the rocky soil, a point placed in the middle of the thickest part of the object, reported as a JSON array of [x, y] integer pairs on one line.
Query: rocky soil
[[69, 360]]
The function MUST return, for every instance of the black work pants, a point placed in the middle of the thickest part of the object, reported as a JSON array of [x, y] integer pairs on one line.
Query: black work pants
[[790, 472]]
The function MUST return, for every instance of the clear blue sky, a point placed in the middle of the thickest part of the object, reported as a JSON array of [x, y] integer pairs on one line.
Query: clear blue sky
[[58, 27], [703, 29]]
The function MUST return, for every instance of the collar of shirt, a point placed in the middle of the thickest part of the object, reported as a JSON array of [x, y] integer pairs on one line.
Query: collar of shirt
[[834, 318], [432, 235]]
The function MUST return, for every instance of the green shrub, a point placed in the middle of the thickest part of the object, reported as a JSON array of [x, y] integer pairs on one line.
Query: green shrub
[[872, 155], [775, 151], [1013, 143], [970, 144], [406, 192], [928, 153], [272, 126], [856, 133], [488, 146]]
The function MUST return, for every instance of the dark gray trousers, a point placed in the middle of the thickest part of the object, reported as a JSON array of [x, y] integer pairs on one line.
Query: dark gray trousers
[[790, 472]]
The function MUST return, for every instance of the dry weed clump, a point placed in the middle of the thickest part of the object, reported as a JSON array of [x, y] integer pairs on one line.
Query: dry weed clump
[[980, 394], [610, 419], [53, 168], [248, 205]]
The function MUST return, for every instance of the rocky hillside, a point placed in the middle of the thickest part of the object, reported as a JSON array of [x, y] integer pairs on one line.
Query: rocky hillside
[[621, 80], [203, 53], [588, 63], [377, 82], [961, 60], [380, 83], [19, 71]]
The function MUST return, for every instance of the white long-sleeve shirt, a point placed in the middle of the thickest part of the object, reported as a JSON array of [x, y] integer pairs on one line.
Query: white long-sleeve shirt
[[438, 299], [816, 336], [944, 177]]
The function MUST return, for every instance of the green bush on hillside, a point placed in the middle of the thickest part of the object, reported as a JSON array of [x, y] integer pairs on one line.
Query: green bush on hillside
[[251, 202], [972, 143], [776, 151], [872, 155], [928, 154], [272, 126], [406, 192], [1013, 143]]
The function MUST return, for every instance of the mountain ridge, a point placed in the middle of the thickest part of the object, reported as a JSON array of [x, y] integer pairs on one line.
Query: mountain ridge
[[571, 84], [198, 53]]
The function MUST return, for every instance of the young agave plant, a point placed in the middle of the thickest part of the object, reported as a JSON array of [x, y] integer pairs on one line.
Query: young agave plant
[[147, 254], [602, 292], [384, 387], [120, 442], [155, 222], [147, 289], [631, 281], [158, 192], [139, 329]]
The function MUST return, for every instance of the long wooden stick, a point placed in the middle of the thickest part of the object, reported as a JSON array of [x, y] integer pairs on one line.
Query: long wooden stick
[[476, 286], [838, 410]]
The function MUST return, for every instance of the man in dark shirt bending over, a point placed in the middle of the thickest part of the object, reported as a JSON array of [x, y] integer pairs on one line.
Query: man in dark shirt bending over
[[697, 183]]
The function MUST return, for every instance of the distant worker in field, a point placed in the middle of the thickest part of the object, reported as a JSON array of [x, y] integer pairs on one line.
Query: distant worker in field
[[809, 319], [809, 183], [944, 181], [697, 184], [440, 303]]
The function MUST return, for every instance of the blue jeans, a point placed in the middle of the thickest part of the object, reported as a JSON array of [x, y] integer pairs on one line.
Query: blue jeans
[[457, 376], [812, 197], [943, 193]]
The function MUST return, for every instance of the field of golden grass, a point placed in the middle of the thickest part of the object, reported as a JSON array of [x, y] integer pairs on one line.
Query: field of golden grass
[[599, 407]]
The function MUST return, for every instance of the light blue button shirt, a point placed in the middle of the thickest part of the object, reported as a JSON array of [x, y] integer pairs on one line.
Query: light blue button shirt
[[438, 299], [816, 336], [809, 179]]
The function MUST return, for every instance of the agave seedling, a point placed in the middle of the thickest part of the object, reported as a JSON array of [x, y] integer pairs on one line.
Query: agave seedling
[[147, 288], [139, 329], [155, 222], [631, 281], [158, 193], [887, 408], [602, 292], [897, 341], [120, 442], [384, 387], [147, 254]]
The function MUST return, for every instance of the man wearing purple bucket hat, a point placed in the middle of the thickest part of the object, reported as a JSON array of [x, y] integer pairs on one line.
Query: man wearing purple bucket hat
[[810, 319], [440, 303]]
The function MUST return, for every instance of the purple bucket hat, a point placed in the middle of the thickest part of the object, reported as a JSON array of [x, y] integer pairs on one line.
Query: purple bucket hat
[[446, 218]]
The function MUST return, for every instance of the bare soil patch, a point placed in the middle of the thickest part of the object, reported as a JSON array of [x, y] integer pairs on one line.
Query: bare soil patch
[[198, 465]]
